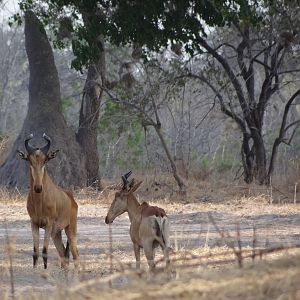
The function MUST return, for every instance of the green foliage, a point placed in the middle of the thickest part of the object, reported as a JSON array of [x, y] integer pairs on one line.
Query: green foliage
[[125, 133], [16, 19], [110, 117], [226, 158], [227, 163], [150, 23], [66, 104], [205, 164]]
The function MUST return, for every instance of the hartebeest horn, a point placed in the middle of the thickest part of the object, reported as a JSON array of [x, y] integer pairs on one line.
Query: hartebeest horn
[[125, 178], [29, 148], [46, 148]]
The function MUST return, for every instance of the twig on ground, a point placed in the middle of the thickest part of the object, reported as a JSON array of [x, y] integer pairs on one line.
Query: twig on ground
[[10, 252], [228, 240], [239, 251], [110, 252], [254, 243]]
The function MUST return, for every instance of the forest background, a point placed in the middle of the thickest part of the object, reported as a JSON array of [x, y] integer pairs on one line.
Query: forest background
[[215, 101]]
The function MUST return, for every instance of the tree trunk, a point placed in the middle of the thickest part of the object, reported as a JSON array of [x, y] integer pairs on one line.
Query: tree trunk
[[44, 115], [254, 157], [90, 107], [281, 135], [88, 121], [247, 158], [272, 160], [260, 159]]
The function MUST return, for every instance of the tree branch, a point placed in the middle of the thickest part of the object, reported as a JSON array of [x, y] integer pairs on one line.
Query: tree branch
[[236, 84], [282, 131]]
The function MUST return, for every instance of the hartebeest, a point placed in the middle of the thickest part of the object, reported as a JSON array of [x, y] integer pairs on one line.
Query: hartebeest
[[49, 207], [149, 224]]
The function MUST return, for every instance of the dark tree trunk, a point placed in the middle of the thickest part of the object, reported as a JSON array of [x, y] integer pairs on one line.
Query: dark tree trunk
[[90, 108], [44, 115], [254, 152], [250, 119], [276, 144], [88, 121], [282, 134], [247, 158], [254, 160], [260, 159]]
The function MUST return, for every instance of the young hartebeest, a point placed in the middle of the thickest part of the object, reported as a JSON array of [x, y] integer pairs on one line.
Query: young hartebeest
[[49, 207], [149, 224]]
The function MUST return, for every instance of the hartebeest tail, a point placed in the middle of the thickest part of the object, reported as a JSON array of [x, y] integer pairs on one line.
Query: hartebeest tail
[[49, 207], [149, 224], [164, 228]]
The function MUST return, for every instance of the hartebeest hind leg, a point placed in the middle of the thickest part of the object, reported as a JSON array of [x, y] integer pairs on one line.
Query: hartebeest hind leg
[[73, 243], [165, 250], [36, 239], [149, 253]]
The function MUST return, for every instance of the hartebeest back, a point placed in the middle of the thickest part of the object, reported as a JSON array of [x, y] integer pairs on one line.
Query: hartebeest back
[[49, 207], [149, 224]]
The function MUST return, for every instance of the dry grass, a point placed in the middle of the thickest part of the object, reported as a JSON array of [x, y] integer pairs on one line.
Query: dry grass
[[275, 279], [207, 271]]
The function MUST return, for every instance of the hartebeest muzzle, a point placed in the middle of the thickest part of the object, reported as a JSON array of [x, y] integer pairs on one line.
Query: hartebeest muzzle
[[38, 188], [109, 219]]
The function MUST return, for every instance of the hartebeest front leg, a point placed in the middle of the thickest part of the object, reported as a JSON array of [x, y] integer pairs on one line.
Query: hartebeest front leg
[[36, 239], [137, 253], [48, 230], [57, 240]]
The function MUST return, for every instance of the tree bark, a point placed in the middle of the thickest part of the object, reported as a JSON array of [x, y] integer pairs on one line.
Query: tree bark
[[260, 158], [251, 118], [90, 105], [247, 158], [44, 115], [281, 135], [88, 121]]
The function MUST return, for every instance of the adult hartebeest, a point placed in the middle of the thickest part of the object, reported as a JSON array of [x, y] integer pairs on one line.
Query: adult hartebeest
[[49, 207], [149, 224]]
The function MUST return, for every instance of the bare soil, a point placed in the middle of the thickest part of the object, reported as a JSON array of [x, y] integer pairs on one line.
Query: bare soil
[[191, 230]]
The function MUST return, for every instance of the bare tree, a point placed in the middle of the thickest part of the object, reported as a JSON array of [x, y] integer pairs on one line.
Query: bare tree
[[247, 70], [146, 101]]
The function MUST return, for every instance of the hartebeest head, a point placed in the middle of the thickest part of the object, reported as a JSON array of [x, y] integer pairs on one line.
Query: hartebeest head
[[37, 158], [120, 202]]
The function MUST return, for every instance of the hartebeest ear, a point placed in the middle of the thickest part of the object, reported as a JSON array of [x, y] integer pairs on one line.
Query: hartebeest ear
[[135, 187], [52, 154], [22, 155]]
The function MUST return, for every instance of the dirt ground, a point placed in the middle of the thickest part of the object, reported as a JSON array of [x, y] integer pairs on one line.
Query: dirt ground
[[191, 230]]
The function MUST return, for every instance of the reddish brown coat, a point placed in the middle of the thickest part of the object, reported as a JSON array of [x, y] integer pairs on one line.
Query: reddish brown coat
[[149, 210]]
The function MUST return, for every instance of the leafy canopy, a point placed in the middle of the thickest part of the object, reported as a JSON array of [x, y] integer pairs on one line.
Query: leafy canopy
[[149, 23]]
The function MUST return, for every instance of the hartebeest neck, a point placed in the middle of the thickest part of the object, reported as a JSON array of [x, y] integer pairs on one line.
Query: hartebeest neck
[[133, 209]]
